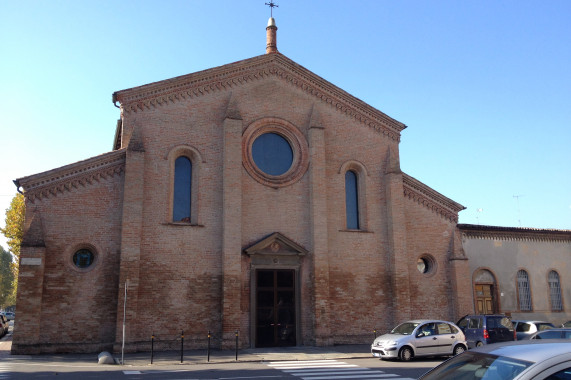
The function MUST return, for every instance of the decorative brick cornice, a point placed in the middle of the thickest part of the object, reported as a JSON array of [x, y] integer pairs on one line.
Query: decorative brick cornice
[[269, 65], [514, 233], [431, 199], [69, 177]]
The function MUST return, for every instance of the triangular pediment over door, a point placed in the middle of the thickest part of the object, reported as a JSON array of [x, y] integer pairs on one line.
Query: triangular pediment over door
[[275, 249]]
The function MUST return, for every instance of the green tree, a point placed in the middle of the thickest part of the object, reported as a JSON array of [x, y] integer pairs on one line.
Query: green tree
[[14, 231], [6, 279]]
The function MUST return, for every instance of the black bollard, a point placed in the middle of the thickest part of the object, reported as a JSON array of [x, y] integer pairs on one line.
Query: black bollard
[[152, 347], [236, 345], [181, 345], [208, 349]]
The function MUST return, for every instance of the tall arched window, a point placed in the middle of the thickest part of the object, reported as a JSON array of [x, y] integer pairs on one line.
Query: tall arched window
[[524, 292], [182, 190], [351, 200], [555, 291]]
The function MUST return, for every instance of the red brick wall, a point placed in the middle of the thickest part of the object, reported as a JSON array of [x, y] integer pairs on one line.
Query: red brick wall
[[176, 272], [77, 310]]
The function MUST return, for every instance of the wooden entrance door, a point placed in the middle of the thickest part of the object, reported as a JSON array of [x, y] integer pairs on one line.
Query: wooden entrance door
[[275, 308], [484, 299]]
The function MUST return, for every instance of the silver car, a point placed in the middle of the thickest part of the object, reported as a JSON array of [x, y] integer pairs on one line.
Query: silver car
[[421, 337], [519, 360], [553, 334], [525, 329]]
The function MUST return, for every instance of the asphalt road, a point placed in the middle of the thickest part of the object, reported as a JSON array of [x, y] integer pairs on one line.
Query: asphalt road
[[308, 370]]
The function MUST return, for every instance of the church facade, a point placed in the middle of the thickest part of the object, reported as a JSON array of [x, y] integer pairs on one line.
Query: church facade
[[252, 198]]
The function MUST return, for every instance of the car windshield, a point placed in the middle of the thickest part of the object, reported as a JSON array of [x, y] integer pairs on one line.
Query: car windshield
[[499, 322], [405, 328], [544, 326], [476, 365]]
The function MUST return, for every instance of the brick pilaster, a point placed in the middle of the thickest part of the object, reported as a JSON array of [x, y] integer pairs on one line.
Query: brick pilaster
[[26, 335], [318, 214], [232, 227], [131, 238], [396, 227]]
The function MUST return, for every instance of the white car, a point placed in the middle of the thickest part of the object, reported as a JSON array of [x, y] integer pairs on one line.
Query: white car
[[421, 337], [520, 360]]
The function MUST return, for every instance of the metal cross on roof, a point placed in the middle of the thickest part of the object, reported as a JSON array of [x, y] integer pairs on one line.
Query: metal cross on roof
[[272, 5]]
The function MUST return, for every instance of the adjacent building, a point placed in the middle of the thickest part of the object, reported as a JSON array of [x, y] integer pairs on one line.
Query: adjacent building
[[522, 272]]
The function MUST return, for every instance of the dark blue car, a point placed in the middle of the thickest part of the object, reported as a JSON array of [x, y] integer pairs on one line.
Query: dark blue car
[[486, 329]]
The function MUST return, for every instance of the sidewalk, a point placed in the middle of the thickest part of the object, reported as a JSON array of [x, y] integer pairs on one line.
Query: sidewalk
[[200, 356], [249, 355]]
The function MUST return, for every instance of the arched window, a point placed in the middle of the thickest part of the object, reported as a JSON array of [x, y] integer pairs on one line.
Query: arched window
[[555, 291], [524, 292], [182, 190], [351, 200]]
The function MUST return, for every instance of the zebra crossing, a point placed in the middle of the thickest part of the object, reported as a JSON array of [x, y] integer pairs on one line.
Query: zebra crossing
[[4, 370], [331, 369]]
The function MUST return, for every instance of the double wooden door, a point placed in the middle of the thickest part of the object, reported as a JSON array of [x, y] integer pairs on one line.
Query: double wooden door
[[275, 308], [484, 299]]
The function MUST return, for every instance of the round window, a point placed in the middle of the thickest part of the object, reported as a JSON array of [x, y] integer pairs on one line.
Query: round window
[[83, 258], [425, 265], [272, 154]]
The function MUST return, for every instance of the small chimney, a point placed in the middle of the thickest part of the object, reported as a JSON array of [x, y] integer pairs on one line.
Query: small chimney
[[271, 37]]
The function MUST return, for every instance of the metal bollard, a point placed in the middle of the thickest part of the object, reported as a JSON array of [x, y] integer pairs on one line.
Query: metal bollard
[[152, 347], [181, 346], [208, 349], [236, 345]]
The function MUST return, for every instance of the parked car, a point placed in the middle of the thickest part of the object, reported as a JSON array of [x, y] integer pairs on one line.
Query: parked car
[[486, 328], [566, 324], [552, 334], [4, 325], [525, 329], [420, 338], [522, 360], [9, 315]]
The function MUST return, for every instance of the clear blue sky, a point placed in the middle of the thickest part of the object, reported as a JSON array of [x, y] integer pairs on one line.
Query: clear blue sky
[[483, 86]]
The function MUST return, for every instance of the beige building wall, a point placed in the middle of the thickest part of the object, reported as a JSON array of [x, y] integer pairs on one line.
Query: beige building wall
[[503, 251]]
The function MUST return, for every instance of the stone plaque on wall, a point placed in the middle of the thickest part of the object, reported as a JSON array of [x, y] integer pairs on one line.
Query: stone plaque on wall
[[31, 261]]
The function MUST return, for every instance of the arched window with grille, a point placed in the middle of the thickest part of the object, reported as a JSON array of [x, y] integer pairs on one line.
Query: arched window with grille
[[555, 291], [523, 290], [182, 190], [351, 200]]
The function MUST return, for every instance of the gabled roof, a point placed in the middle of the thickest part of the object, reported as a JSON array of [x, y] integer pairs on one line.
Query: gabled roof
[[224, 78], [68, 177], [430, 198]]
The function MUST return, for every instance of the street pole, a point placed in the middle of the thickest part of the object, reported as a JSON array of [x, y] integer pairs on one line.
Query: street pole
[[124, 317]]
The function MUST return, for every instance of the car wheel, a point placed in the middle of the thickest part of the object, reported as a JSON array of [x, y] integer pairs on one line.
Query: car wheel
[[479, 344], [458, 350], [405, 354]]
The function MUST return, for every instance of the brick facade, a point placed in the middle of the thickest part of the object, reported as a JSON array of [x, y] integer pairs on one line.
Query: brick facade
[[200, 275]]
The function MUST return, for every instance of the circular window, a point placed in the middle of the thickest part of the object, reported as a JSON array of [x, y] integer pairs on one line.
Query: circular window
[[83, 258], [425, 265], [274, 152]]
